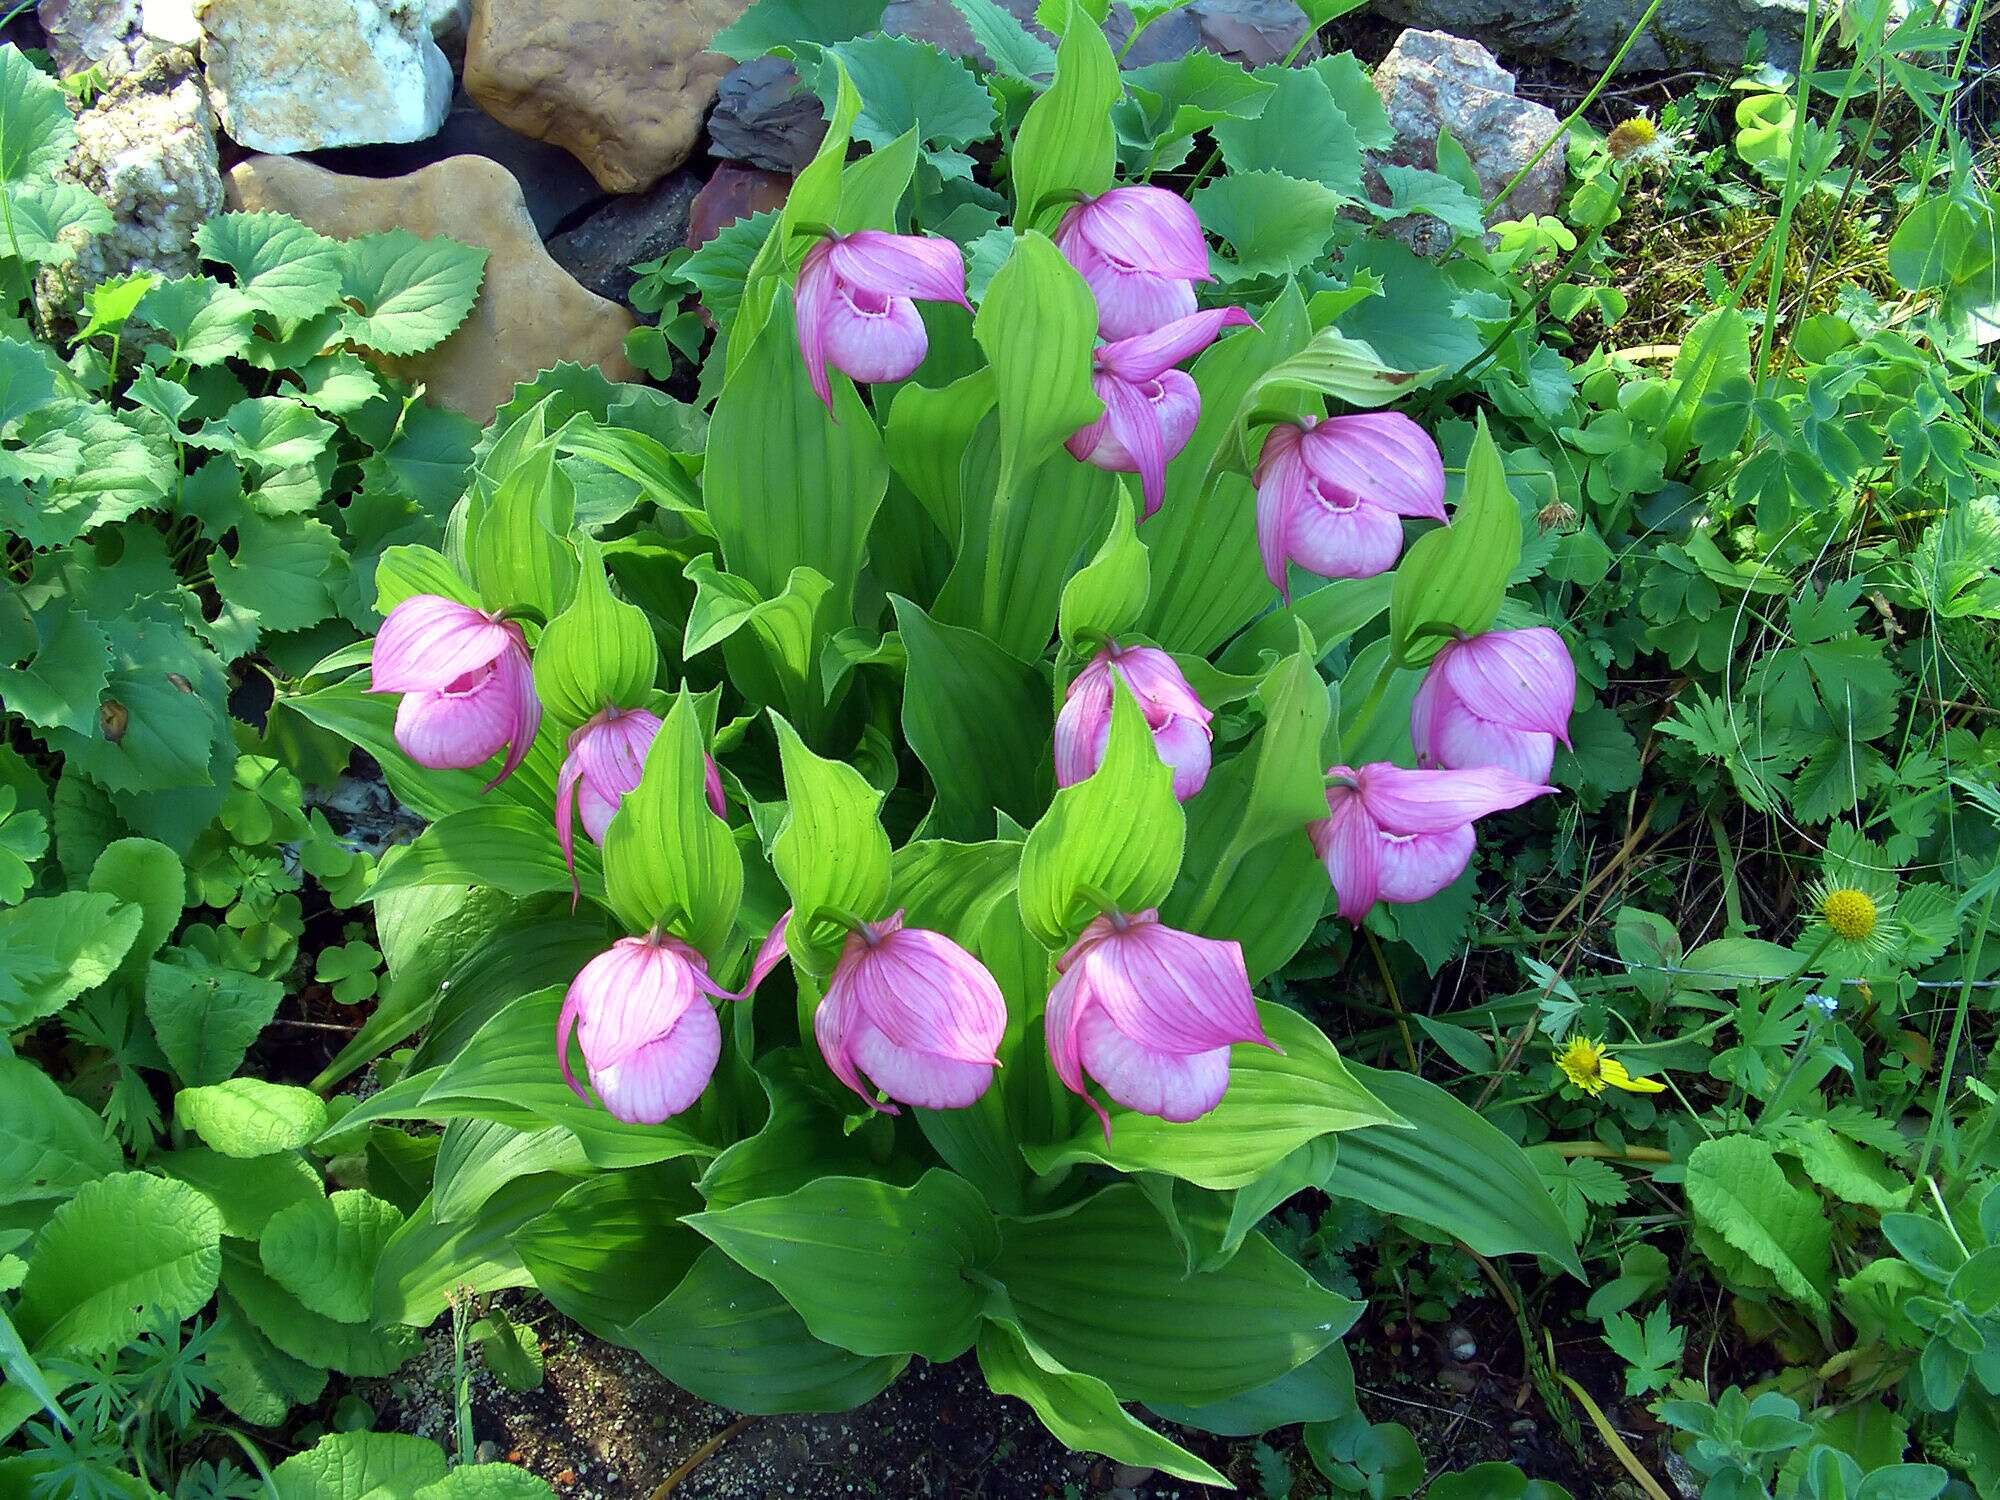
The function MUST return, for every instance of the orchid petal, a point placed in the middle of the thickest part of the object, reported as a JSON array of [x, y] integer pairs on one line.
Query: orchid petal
[[924, 992], [1352, 540], [1083, 728], [1175, 991], [1382, 457], [1523, 679], [1176, 1086], [1416, 866], [517, 673], [1158, 683], [1184, 745], [428, 642], [1348, 846], [872, 338], [1403, 801], [1143, 358], [628, 996], [815, 291], [1140, 228], [923, 1079], [711, 786], [1283, 484], [1130, 303], [831, 1025], [1461, 740], [666, 1075], [1133, 432], [1069, 998], [460, 727], [902, 265]]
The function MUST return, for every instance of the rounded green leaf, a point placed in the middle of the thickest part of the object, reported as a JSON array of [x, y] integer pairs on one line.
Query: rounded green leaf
[[126, 1250], [146, 874], [324, 1250], [246, 1117]]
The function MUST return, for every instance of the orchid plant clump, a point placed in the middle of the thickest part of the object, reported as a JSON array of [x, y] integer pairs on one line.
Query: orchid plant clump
[[954, 757]]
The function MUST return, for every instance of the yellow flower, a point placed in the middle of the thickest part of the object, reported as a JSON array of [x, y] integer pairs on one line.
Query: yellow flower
[[1631, 136], [1585, 1063], [1849, 912]]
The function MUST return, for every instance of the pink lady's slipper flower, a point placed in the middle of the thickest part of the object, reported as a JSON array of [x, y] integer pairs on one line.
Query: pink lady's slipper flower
[[604, 760], [640, 1011], [1331, 493], [1141, 251], [854, 303], [468, 686], [1150, 1012], [1500, 699], [1397, 835], [915, 1012], [1175, 715], [1150, 408]]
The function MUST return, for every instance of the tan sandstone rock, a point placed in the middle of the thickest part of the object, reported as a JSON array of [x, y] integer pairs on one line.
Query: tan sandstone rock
[[530, 314], [621, 84]]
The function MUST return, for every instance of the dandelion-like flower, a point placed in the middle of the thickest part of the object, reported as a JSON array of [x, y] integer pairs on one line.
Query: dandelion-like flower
[[1586, 1063]]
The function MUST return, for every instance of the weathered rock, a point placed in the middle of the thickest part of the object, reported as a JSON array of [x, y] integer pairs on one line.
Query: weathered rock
[[601, 251], [622, 86], [114, 36], [555, 183], [1252, 32], [733, 193], [298, 75], [1709, 34], [146, 147], [1431, 82], [765, 117], [530, 314], [449, 21]]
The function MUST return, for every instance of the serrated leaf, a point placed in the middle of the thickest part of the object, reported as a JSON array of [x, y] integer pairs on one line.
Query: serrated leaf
[[360, 1466], [405, 294], [246, 1117], [118, 470], [57, 947], [1274, 224], [783, 23], [36, 131], [206, 321], [282, 267], [61, 683], [50, 1144], [282, 571], [207, 1015], [911, 85], [324, 1251], [1736, 1188], [1301, 131], [51, 218], [269, 433], [125, 1251]]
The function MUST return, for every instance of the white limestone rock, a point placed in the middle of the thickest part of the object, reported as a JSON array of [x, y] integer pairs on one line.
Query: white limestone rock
[[297, 75]]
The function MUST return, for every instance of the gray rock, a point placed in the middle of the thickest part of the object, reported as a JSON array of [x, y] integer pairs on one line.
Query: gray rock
[[1252, 32], [147, 148], [1431, 82], [764, 116], [601, 251], [556, 184], [1709, 34]]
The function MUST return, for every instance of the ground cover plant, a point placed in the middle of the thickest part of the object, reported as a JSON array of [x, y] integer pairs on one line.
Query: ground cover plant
[[1127, 779]]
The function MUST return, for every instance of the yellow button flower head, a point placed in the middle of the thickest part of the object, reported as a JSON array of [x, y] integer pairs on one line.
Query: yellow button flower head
[[1585, 1063], [1851, 913]]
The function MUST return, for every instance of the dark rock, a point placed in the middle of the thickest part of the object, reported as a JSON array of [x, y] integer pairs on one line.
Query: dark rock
[[601, 251], [1251, 32], [555, 183], [1709, 34], [733, 193], [764, 116]]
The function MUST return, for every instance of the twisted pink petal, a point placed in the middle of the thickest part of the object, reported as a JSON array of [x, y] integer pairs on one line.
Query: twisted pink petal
[[1145, 356], [854, 307], [1325, 529]]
